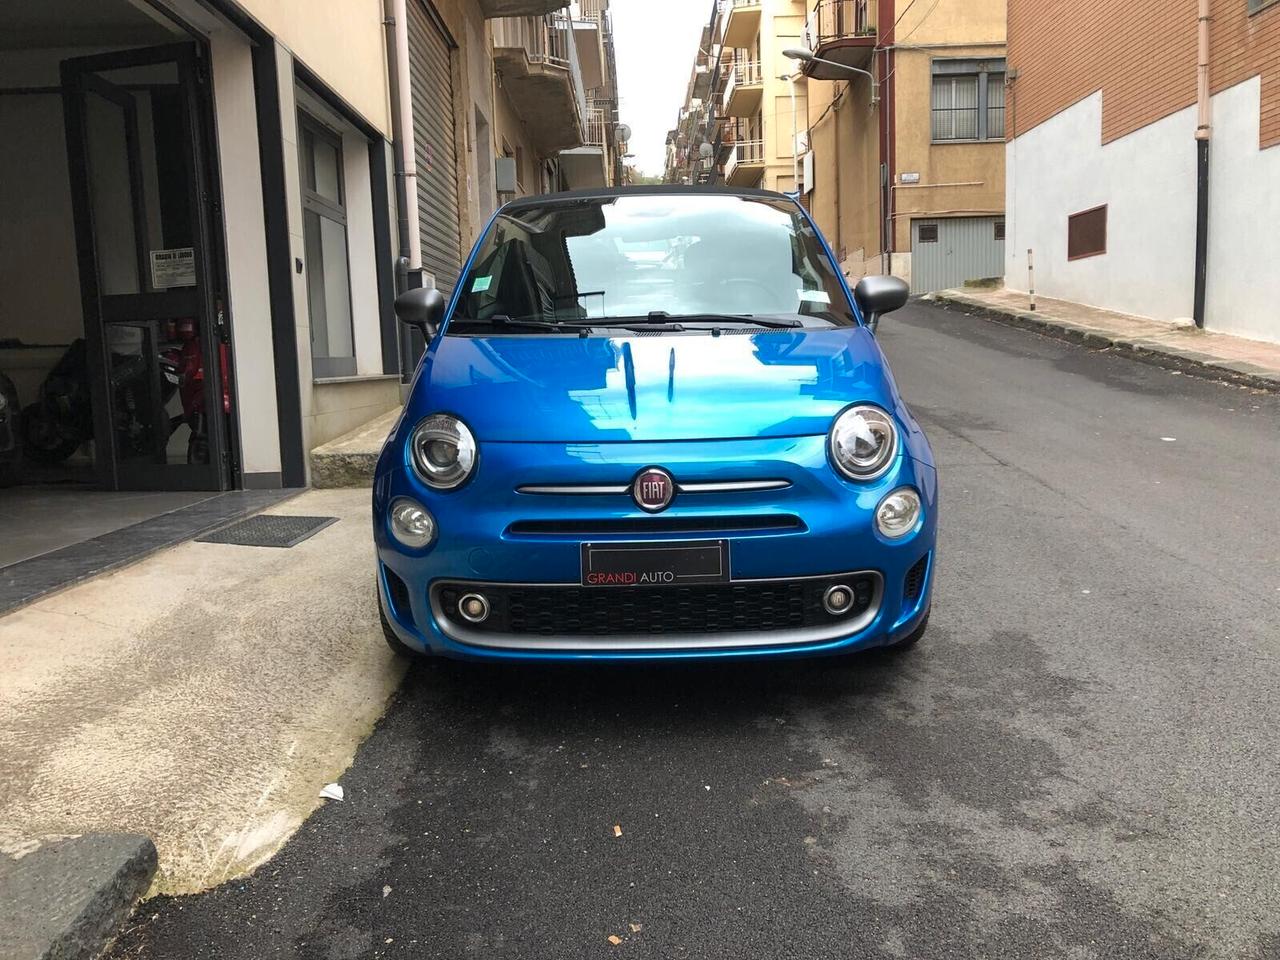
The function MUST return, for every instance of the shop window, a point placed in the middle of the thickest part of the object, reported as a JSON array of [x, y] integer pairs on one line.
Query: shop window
[[1087, 233], [324, 216]]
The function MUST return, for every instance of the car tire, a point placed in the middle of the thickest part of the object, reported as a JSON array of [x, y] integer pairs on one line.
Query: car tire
[[398, 646], [908, 642]]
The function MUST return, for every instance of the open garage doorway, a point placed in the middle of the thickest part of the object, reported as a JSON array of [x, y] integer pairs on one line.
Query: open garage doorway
[[113, 340]]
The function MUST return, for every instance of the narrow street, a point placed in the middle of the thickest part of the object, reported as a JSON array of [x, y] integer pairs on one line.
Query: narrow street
[[1079, 760]]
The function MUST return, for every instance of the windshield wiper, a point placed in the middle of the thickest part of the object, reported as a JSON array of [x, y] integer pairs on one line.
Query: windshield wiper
[[747, 318], [502, 320]]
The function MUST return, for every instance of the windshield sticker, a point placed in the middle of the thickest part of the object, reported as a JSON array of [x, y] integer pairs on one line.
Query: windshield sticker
[[814, 296], [481, 284]]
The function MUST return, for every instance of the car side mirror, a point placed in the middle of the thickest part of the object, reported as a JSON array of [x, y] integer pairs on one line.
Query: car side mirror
[[421, 307], [877, 296]]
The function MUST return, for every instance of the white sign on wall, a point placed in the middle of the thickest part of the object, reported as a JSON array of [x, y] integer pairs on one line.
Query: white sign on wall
[[175, 267]]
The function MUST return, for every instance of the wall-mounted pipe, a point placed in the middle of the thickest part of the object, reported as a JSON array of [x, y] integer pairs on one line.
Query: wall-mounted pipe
[[402, 130], [1204, 131]]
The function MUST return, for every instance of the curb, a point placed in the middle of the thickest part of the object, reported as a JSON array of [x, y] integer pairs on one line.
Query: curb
[[67, 898], [1154, 352]]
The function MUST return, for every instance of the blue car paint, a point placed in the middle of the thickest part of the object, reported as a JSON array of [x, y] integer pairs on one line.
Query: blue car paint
[[557, 409]]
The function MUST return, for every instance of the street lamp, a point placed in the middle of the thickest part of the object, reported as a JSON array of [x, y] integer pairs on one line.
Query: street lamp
[[799, 53]]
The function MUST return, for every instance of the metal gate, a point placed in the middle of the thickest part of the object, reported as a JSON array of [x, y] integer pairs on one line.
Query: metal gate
[[947, 252], [431, 76]]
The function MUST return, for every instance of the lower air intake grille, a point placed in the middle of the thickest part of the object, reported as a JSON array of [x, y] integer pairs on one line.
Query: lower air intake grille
[[568, 611], [914, 582]]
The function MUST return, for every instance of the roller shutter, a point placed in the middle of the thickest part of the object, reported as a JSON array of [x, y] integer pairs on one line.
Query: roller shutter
[[430, 49]]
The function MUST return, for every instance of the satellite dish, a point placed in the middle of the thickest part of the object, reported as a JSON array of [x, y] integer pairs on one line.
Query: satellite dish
[[622, 133], [705, 150]]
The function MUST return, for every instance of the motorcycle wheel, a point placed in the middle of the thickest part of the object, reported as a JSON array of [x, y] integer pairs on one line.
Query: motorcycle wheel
[[42, 438]]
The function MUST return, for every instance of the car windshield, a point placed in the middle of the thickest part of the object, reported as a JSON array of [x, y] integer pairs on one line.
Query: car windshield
[[673, 260]]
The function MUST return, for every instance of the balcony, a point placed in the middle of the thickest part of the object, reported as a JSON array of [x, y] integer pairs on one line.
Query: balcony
[[843, 31], [588, 165], [493, 9], [590, 19], [745, 163], [741, 23], [743, 89], [538, 61]]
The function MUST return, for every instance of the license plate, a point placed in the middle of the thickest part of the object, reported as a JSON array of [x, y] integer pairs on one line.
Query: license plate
[[654, 564]]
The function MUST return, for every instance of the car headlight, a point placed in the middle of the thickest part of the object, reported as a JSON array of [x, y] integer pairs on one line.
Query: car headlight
[[863, 441], [898, 513], [443, 451], [411, 524]]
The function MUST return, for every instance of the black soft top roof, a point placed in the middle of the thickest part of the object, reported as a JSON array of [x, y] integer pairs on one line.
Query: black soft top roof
[[670, 189]]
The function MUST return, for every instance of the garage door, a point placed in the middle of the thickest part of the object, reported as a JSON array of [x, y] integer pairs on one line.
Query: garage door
[[430, 49], [947, 252]]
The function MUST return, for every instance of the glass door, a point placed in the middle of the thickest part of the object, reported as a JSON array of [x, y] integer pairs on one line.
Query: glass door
[[154, 325]]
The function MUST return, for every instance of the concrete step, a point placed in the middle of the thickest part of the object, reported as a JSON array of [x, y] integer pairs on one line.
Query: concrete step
[[349, 460]]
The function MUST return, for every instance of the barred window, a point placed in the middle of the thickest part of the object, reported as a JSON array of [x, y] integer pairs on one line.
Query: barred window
[[967, 100], [955, 108]]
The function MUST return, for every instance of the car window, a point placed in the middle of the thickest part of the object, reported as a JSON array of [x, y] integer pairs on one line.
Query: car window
[[685, 255]]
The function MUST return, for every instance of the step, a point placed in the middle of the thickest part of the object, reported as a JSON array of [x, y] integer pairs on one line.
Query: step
[[349, 460]]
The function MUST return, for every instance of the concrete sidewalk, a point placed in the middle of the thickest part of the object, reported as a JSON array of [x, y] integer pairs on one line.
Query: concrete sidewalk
[[201, 697], [1216, 356]]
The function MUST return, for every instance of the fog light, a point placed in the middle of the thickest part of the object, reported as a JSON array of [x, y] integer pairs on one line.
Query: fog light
[[898, 513], [411, 524], [838, 599], [474, 608]]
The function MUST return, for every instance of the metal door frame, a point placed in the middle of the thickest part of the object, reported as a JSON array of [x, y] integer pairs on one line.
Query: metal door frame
[[209, 296]]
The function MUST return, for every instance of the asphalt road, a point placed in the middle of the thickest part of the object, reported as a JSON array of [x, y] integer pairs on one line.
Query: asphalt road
[[1080, 760]]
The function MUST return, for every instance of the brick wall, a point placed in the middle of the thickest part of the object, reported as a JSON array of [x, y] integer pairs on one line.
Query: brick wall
[[1141, 54]]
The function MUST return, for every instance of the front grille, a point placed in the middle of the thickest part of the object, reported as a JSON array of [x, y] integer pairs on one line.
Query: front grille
[[914, 581], [759, 606], [715, 524]]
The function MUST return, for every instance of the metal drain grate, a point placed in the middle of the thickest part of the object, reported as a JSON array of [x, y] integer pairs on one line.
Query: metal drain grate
[[269, 530]]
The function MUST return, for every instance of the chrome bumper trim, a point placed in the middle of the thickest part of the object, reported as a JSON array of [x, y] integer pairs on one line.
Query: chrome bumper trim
[[722, 486], [461, 633]]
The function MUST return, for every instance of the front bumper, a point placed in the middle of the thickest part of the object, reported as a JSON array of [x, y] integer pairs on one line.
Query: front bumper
[[784, 543]]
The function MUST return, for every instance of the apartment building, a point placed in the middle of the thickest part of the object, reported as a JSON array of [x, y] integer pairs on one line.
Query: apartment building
[[230, 193], [1141, 178], [892, 136], [905, 164]]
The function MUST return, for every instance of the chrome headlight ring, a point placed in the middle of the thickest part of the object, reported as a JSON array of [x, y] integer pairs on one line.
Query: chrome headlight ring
[[442, 451], [863, 442]]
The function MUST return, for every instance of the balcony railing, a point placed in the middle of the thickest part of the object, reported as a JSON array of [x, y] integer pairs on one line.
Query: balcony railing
[[597, 125], [838, 19], [742, 73], [593, 10]]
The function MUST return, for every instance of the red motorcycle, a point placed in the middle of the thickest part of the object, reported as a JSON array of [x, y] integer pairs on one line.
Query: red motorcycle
[[188, 360]]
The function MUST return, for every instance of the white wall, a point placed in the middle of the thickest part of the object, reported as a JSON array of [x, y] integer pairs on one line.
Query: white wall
[[1148, 181], [1243, 295], [246, 246]]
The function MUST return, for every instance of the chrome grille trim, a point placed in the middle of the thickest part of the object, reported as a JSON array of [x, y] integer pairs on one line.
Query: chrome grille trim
[[622, 489], [721, 641]]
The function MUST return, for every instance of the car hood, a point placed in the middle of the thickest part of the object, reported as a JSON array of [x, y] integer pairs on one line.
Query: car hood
[[561, 388]]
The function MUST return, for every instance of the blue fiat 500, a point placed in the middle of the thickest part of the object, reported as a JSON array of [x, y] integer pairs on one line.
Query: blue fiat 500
[[653, 423]]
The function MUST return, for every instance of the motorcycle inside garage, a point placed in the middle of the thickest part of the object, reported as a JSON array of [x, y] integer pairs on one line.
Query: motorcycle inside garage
[[115, 370]]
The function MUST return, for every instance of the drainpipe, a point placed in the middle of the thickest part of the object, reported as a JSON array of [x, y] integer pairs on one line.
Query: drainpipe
[[1204, 130], [406, 164]]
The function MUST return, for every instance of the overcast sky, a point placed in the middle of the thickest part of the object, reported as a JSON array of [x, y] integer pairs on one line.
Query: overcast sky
[[656, 41]]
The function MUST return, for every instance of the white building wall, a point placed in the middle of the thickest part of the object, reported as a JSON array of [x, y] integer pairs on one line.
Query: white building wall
[[1243, 294], [239, 166], [1148, 181]]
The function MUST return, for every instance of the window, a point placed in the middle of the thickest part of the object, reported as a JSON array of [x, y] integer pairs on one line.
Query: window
[[999, 230], [621, 258], [928, 233], [967, 100], [324, 228], [1256, 5], [1087, 233]]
